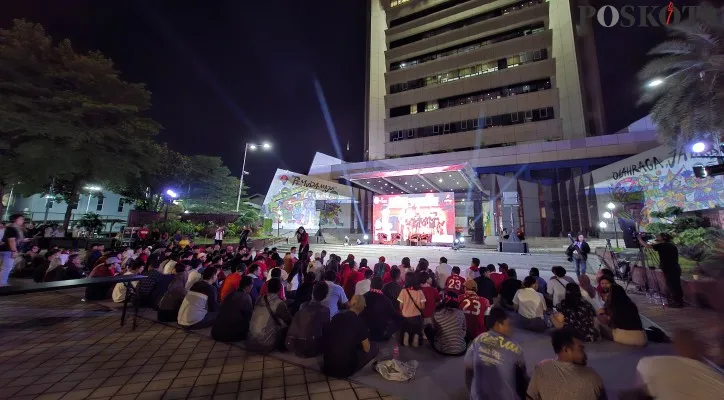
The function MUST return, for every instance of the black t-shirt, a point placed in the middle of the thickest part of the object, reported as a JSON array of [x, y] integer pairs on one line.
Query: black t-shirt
[[508, 289], [486, 288], [10, 232], [378, 314], [344, 336], [668, 256]]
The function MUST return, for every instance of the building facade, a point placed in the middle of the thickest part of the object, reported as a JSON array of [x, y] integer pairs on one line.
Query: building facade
[[460, 75]]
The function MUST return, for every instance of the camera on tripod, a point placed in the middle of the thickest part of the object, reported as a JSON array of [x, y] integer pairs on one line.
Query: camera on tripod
[[645, 236]]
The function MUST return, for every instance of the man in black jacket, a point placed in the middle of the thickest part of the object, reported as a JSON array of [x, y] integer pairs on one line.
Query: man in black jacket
[[578, 253], [381, 316], [486, 286]]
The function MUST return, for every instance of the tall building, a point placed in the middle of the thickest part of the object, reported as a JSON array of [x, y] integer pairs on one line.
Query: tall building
[[457, 75]]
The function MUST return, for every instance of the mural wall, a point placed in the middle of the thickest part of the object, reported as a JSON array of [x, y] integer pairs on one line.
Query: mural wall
[[647, 182], [293, 197]]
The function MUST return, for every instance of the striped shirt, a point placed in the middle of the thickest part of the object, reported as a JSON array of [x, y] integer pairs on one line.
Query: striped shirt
[[449, 326]]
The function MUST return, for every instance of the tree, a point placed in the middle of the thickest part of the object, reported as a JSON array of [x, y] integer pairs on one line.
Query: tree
[[689, 103], [70, 114]]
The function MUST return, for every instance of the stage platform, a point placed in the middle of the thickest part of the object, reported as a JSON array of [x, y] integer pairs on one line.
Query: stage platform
[[460, 258]]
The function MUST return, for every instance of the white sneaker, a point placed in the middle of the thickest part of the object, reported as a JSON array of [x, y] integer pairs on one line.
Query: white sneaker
[[406, 339], [416, 341]]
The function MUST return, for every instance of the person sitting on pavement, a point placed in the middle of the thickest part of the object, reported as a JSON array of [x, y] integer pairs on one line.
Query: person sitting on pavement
[[146, 286], [381, 268], [577, 315], [622, 322], [231, 283], [567, 377], [119, 290], [256, 282], [350, 280], [274, 273], [104, 270], [363, 286], [351, 348], [269, 321], [432, 296], [603, 290], [382, 318], [304, 292], [508, 289], [304, 337], [73, 268], [557, 285], [393, 288], [442, 271], [474, 307], [507, 365], [474, 269], [412, 302], [685, 375], [336, 297], [195, 274], [542, 284], [531, 306], [53, 268], [201, 304], [171, 301], [455, 282], [448, 330], [232, 323], [159, 288], [486, 286], [500, 276], [589, 292]]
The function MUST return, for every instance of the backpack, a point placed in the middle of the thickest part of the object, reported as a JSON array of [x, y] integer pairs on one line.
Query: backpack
[[380, 269]]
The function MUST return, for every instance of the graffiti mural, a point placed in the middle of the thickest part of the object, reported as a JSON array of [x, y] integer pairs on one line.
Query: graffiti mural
[[659, 179], [292, 199]]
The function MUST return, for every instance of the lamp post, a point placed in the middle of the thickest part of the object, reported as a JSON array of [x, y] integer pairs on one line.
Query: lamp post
[[90, 190], [611, 215], [170, 195], [247, 146]]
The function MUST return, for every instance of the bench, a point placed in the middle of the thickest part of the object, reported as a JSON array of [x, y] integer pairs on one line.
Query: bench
[[76, 283]]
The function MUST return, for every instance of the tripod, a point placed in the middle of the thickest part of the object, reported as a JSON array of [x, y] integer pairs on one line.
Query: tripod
[[654, 293], [614, 261]]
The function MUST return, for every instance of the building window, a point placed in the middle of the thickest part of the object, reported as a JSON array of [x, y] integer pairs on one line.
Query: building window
[[446, 128], [543, 113], [514, 117], [99, 206], [120, 205], [49, 203], [529, 116], [411, 133]]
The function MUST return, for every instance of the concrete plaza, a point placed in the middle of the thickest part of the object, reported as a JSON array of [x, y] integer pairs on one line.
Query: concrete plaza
[[57, 347]]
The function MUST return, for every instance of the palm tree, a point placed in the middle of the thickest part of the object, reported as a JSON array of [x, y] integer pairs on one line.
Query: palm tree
[[683, 82]]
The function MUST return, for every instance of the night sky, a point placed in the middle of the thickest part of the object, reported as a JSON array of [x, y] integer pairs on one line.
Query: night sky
[[226, 72]]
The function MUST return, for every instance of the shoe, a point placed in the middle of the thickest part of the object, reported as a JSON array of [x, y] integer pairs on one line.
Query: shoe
[[406, 339], [416, 341]]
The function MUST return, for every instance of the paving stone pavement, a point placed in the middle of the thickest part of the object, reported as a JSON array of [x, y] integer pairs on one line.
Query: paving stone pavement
[[55, 347]]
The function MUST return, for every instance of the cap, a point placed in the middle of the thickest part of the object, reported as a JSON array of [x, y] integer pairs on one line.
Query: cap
[[471, 285]]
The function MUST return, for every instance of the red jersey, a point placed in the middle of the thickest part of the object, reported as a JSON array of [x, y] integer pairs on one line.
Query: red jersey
[[350, 282], [142, 233], [497, 278], [432, 297], [474, 308], [455, 283]]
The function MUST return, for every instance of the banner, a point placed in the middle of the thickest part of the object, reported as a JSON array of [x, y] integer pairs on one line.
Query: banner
[[428, 213]]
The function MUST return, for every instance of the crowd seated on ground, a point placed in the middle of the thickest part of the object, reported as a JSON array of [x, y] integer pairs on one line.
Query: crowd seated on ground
[[295, 304]]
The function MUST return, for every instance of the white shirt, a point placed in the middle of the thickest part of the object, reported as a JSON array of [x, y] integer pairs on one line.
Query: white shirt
[[677, 378], [531, 304], [557, 289], [442, 272], [362, 287], [170, 267], [219, 234], [119, 291], [194, 276]]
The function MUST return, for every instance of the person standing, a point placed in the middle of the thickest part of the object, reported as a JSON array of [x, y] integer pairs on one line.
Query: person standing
[[244, 237], [567, 377], [669, 264], [303, 240], [12, 237], [219, 235], [578, 253]]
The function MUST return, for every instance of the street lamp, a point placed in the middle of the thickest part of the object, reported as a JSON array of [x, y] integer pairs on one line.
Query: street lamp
[[170, 195], [611, 215], [655, 82], [698, 147], [90, 190], [247, 146], [602, 225]]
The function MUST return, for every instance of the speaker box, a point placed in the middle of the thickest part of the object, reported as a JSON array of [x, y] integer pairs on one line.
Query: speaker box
[[513, 247]]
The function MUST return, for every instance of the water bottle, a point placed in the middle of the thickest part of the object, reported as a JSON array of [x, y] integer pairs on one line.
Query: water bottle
[[396, 352]]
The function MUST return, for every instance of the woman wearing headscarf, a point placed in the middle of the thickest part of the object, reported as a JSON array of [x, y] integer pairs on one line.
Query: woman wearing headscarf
[[171, 301]]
